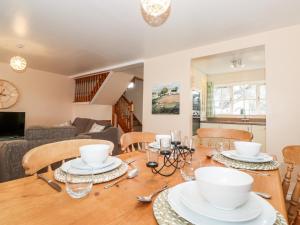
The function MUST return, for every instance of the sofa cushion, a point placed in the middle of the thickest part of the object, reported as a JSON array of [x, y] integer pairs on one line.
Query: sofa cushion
[[82, 124], [105, 123], [45, 133], [96, 128]]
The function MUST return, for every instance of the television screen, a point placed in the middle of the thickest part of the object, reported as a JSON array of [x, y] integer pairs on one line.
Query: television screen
[[12, 124]]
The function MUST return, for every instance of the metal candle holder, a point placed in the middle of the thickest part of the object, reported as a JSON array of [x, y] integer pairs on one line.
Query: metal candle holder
[[172, 158]]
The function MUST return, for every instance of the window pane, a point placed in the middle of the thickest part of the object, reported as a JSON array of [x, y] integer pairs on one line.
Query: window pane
[[262, 108], [217, 93], [226, 93], [250, 107], [222, 107], [238, 92], [222, 93], [250, 91], [262, 92], [237, 107], [244, 99]]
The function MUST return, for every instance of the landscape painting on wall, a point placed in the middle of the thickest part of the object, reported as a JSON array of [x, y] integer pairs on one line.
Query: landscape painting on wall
[[166, 99]]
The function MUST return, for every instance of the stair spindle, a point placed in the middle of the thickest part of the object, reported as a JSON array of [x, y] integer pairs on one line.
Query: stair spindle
[[86, 87]]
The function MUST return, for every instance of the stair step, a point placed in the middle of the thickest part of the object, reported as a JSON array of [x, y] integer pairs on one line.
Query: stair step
[[136, 123], [137, 128]]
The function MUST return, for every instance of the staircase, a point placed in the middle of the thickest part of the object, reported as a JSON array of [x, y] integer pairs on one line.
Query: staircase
[[123, 116], [107, 89], [137, 125], [101, 88], [87, 87]]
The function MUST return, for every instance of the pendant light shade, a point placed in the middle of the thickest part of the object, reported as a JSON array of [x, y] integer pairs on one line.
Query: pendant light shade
[[18, 63], [155, 12]]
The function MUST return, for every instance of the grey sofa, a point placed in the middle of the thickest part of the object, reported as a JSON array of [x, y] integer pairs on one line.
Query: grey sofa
[[12, 152], [110, 133]]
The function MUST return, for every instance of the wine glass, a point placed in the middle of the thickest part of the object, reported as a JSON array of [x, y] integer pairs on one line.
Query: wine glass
[[220, 147], [188, 143]]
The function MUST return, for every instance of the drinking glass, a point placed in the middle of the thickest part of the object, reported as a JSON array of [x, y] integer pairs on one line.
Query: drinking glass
[[188, 170], [176, 137], [220, 147], [152, 157], [188, 143], [79, 187]]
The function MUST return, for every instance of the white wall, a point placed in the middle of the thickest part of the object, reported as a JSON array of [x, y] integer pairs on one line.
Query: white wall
[[282, 77], [241, 76], [97, 112], [199, 82], [136, 96], [45, 97]]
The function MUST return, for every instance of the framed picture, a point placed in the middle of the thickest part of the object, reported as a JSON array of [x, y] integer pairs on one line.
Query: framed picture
[[166, 99]]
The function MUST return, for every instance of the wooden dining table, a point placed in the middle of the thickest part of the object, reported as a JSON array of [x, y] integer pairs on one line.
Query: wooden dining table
[[30, 201]]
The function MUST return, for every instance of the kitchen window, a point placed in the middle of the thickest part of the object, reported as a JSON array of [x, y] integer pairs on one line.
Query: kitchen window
[[240, 99]]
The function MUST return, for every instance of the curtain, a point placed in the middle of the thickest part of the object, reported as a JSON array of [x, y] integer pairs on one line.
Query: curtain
[[210, 100]]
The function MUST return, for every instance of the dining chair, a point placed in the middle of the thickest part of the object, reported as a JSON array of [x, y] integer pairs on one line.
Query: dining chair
[[45, 155], [291, 156], [213, 137], [133, 141]]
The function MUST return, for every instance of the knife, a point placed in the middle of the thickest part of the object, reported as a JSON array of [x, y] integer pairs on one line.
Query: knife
[[50, 182], [129, 161]]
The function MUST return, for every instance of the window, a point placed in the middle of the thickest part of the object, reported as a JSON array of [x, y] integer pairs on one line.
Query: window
[[222, 100], [240, 99], [244, 99], [262, 105]]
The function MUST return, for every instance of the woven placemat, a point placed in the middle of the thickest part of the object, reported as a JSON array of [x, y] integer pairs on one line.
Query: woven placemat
[[272, 165], [60, 175], [165, 215]]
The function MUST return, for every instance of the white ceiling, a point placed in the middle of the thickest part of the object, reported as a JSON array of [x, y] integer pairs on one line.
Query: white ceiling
[[137, 70], [72, 36], [252, 59]]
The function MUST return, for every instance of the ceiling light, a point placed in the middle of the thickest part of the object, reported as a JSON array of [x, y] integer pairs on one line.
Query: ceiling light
[[131, 85], [155, 12], [237, 63], [18, 63]]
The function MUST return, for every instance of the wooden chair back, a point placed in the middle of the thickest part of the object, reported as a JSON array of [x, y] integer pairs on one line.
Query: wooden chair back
[[291, 156], [211, 137], [133, 141], [45, 155]]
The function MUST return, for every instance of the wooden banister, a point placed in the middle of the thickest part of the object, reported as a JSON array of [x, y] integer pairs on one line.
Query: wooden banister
[[123, 114], [86, 87]]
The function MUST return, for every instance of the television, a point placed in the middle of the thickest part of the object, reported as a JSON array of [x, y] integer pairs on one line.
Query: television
[[12, 124]]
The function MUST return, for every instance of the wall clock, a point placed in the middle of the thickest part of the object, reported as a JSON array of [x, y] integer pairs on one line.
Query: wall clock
[[8, 94]]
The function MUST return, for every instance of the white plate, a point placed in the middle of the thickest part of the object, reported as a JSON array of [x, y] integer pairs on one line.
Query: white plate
[[79, 164], [154, 145], [67, 167], [267, 216], [193, 200], [261, 158]]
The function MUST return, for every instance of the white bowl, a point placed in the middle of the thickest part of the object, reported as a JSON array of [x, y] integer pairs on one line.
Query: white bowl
[[94, 154], [224, 188], [247, 148]]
